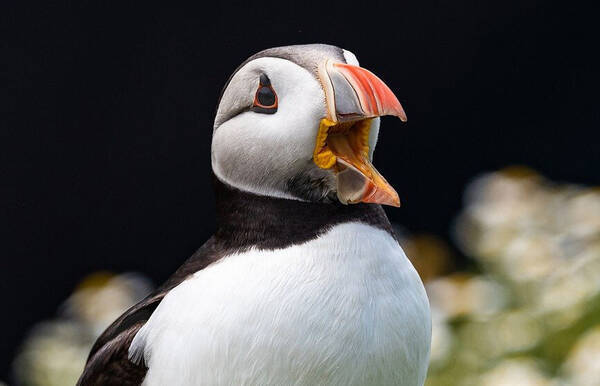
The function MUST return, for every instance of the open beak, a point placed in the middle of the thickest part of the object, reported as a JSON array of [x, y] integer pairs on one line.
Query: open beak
[[354, 97]]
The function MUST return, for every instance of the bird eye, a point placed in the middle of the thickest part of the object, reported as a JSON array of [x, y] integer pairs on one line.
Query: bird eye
[[265, 99]]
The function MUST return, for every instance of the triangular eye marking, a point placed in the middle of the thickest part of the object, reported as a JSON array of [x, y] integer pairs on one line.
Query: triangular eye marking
[[265, 99], [264, 80]]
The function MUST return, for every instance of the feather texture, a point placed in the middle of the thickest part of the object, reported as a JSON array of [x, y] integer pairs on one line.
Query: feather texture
[[346, 308]]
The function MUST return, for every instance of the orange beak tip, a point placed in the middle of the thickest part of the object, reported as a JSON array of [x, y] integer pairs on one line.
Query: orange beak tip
[[378, 193], [395, 202], [401, 114]]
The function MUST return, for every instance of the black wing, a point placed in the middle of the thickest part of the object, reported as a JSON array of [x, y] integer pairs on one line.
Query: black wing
[[108, 362], [110, 365]]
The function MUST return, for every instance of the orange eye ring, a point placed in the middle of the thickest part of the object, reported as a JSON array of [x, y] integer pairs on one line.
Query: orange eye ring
[[265, 99]]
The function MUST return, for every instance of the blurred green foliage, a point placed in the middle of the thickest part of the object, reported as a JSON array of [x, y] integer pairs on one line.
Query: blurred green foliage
[[529, 314]]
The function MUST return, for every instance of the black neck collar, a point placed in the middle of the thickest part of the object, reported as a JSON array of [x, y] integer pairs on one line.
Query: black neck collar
[[245, 219]]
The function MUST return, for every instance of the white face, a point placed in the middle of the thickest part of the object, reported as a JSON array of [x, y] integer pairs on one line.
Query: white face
[[268, 153]]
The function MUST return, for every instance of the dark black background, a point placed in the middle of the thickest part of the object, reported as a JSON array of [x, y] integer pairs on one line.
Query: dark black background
[[106, 124]]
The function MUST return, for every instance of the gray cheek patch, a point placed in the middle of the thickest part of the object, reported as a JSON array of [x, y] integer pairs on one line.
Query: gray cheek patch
[[249, 169], [234, 105]]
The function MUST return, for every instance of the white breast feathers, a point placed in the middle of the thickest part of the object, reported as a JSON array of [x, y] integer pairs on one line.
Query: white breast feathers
[[346, 308]]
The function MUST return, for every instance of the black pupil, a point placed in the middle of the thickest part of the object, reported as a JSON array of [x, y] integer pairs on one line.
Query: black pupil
[[265, 96]]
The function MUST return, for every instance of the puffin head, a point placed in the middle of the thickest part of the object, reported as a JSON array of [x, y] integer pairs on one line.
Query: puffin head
[[301, 122]]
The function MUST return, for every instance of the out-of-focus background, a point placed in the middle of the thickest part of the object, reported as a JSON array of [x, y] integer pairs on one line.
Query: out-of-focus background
[[105, 154]]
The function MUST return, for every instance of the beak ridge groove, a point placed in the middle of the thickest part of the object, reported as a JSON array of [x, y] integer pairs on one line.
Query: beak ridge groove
[[359, 93]]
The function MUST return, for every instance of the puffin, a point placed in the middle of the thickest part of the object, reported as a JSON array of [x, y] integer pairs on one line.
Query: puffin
[[304, 281]]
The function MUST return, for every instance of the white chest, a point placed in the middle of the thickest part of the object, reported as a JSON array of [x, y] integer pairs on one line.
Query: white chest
[[345, 309]]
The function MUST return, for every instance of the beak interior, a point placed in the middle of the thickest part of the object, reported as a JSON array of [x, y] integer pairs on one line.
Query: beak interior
[[344, 147], [354, 97]]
